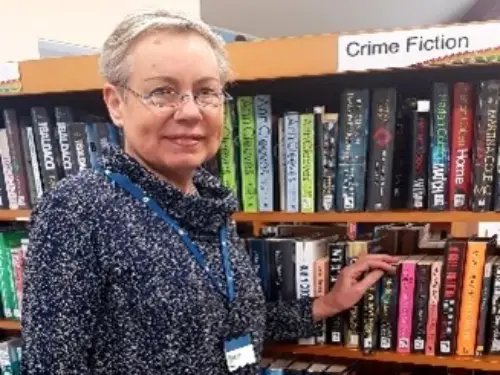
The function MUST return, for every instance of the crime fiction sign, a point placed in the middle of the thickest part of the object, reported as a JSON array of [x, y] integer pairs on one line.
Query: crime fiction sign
[[404, 48]]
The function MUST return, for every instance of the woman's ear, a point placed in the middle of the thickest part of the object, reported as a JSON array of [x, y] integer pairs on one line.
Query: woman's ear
[[114, 103]]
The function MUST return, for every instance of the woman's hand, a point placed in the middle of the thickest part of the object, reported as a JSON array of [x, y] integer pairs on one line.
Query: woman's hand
[[353, 282]]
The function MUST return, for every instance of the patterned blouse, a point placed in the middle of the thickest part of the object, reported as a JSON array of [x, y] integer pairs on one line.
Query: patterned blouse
[[110, 288]]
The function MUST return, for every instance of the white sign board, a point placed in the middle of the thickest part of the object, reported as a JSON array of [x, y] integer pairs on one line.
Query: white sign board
[[406, 48]]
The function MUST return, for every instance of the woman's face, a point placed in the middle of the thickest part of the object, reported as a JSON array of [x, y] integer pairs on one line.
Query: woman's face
[[170, 139]]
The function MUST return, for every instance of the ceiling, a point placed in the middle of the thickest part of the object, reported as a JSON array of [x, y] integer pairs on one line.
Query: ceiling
[[276, 18]]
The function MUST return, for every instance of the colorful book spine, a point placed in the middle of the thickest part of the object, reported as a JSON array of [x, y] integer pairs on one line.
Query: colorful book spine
[[433, 315], [494, 318], [227, 152], [406, 294], [484, 306], [327, 134], [307, 162], [248, 150], [460, 187], [439, 139], [451, 288], [265, 166], [471, 297]]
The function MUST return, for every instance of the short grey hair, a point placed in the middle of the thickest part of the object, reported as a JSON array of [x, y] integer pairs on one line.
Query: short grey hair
[[114, 65]]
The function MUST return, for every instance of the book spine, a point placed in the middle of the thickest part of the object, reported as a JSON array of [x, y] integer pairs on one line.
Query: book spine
[[420, 151], [461, 146], [281, 146], [17, 158], [321, 282], [63, 118], [387, 334], [37, 177], [439, 161], [265, 166], [401, 160], [306, 152], [44, 139], [379, 177], [335, 324], [353, 326], [329, 131], [353, 145], [433, 308], [470, 298], [407, 287], [484, 309], [291, 145], [494, 336], [248, 150], [227, 153], [420, 311], [10, 183], [370, 307], [451, 287], [485, 146], [80, 144]]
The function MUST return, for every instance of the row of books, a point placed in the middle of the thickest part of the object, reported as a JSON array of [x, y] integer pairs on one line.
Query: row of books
[[285, 366], [382, 150], [435, 304], [40, 148]]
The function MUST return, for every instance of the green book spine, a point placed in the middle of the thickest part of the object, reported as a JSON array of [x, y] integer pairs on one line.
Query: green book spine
[[4, 281], [307, 180], [248, 157], [227, 151], [8, 241]]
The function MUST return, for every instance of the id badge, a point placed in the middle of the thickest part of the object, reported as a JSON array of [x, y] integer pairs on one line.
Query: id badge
[[239, 352]]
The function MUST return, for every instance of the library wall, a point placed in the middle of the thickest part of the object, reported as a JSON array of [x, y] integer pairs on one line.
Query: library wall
[[74, 22]]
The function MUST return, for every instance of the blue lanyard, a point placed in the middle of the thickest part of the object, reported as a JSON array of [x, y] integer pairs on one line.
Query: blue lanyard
[[134, 190]]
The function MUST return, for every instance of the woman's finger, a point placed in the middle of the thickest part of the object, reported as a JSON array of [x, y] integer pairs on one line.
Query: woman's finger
[[370, 279]]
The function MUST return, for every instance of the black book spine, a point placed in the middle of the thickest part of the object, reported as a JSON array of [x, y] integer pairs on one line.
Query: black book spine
[[17, 158], [64, 117], [335, 324], [420, 311], [370, 316], [401, 160], [494, 335], [79, 142], [327, 163], [387, 334], [353, 146], [484, 308], [420, 155], [383, 126], [485, 146], [439, 153], [287, 290], [451, 288], [45, 142]]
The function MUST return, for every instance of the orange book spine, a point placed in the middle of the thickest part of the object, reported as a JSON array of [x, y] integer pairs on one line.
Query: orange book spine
[[320, 277], [471, 297]]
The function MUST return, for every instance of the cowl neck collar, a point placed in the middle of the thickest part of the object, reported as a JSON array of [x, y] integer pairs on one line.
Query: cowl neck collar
[[202, 213]]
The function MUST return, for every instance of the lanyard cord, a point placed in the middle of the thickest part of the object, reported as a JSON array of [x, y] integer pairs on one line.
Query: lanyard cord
[[134, 190]]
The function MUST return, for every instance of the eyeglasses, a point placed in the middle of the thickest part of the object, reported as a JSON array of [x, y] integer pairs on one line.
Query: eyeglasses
[[166, 98]]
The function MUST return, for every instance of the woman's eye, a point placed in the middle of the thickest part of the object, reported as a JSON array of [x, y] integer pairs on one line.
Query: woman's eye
[[161, 91], [207, 91]]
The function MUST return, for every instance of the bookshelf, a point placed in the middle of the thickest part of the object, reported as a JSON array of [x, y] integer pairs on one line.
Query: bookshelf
[[485, 363], [261, 63]]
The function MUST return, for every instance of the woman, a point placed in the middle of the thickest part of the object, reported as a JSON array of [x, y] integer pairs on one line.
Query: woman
[[113, 283]]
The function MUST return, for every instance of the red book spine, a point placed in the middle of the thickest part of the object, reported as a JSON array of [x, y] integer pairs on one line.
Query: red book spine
[[461, 146]]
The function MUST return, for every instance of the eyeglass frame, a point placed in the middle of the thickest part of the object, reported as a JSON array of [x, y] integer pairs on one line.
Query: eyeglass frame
[[147, 98]]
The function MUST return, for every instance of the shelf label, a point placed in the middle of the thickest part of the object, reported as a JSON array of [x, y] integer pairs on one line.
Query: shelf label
[[444, 45], [10, 78]]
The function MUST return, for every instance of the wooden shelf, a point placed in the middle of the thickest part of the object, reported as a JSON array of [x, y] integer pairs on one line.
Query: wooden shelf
[[368, 217], [252, 60], [7, 324], [486, 363], [15, 215]]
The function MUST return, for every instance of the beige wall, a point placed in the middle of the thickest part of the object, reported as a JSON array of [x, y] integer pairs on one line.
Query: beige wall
[[83, 22]]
